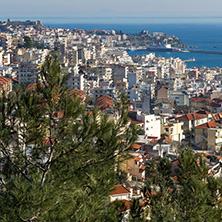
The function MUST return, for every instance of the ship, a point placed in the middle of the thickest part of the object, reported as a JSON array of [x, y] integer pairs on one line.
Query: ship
[[159, 47]]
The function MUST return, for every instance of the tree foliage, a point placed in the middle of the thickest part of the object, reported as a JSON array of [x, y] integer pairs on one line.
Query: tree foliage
[[28, 42], [57, 158], [195, 197]]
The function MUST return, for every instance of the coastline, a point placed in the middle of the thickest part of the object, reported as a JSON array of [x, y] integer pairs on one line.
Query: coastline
[[202, 36]]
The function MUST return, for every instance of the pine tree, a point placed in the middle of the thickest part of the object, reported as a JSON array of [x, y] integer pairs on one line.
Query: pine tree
[[136, 211], [196, 197], [57, 158]]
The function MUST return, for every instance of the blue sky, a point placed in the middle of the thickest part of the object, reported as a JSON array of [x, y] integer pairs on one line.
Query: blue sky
[[100, 8]]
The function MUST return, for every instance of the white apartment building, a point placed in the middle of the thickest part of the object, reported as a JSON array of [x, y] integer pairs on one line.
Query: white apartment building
[[152, 124]]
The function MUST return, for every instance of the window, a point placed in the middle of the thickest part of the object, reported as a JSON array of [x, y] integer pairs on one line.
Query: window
[[166, 129]]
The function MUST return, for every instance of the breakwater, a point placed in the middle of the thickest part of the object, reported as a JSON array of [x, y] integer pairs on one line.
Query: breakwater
[[205, 51]]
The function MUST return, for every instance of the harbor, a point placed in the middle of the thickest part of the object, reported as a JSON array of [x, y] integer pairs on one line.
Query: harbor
[[156, 49]]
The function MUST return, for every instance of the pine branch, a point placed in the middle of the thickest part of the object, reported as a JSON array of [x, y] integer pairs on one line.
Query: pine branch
[[7, 155]]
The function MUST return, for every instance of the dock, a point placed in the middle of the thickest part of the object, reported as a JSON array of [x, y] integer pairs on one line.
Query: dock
[[205, 51], [190, 60]]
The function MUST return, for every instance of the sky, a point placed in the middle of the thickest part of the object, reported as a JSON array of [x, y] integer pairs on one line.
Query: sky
[[108, 8]]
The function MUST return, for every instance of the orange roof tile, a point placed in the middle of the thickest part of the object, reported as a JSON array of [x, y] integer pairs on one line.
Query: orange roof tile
[[119, 189], [4, 80], [136, 122], [175, 178], [176, 162], [198, 99], [165, 139], [33, 86], [137, 158], [136, 146], [126, 203], [208, 125], [191, 116], [143, 167], [154, 140], [208, 154]]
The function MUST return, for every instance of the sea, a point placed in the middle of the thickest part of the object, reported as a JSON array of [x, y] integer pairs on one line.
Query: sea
[[203, 35]]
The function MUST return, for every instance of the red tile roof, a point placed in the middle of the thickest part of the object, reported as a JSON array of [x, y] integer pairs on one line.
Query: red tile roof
[[2, 36], [33, 86], [208, 125], [136, 122], [4, 80], [175, 178], [136, 146], [126, 204], [191, 116], [176, 162], [137, 158], [154, 140], [208, 154], [105, 102], [120, 189], [143, 167], [164, 139], [198, 100]]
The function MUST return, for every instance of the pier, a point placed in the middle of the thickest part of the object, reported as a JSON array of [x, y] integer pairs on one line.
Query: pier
[[190, 60], [176, 50], [198, 51], [205, 51]]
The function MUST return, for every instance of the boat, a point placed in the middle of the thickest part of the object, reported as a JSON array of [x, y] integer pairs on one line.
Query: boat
[[159, 47]]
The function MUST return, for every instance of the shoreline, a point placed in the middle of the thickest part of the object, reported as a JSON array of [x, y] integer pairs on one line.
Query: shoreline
[[178, 50]]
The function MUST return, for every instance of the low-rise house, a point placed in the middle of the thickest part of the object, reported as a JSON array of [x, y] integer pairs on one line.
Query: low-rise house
[[134, 166], [163, 93], [124, 194], [181, 97], [173, 128], [5, 85], [121, 192], [213, 163], [192, 120], [208, 136], [161, 147], [204, 112], [200, 102], [105, 103]]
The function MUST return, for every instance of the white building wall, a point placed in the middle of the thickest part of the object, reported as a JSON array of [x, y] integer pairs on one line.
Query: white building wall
[[152, 124], [119, 197]]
